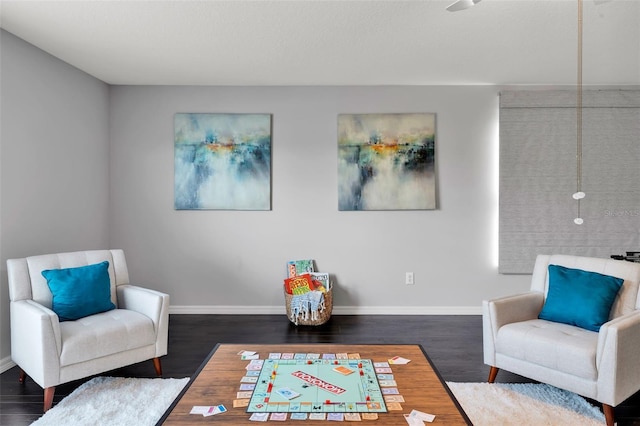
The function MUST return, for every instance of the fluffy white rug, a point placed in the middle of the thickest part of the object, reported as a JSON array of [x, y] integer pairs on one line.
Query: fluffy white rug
[[524, 404], [114, 401]]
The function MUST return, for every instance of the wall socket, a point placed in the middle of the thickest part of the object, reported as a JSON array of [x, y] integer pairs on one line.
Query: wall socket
[[408, 278]]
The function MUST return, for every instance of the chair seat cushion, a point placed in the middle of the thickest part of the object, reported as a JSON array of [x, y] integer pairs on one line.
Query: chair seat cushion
[[558, 346], [104, 334]]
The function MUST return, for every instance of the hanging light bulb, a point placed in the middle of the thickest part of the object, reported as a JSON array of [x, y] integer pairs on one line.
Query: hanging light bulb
[[579, 195]]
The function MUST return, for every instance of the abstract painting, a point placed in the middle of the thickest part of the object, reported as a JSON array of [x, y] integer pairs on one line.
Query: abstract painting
[[386, 161], [222, 161]]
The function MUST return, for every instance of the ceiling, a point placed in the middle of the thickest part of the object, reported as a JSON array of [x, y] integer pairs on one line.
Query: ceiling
[[333, 42]]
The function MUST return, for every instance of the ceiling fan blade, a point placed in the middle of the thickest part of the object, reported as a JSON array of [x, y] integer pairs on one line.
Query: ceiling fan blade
[[462, 5]]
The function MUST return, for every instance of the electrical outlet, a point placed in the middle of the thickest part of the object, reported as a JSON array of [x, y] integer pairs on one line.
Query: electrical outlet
[[408, 278]]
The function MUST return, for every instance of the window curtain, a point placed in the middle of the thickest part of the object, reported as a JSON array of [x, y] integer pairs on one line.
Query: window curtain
[[538, 175]]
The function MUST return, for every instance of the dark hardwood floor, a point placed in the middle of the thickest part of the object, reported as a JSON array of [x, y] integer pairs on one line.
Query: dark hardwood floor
[[453, 343]]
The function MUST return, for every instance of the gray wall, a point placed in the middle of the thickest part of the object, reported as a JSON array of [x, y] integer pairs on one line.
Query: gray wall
[[54, 168], [234, 261], [85, 165]]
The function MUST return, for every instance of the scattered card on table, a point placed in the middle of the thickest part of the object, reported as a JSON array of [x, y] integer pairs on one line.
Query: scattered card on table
[[342, 356], [287, 355], [259, 417], [249, 379], [252, 357], [343, 370], [399, 360], [413, 421], [279, 417], [300, 356], [244, 394], [199, 409], [393, 398], [394, 406], [353, 356], [247, 386], [246, 353], [387, 383], [385, 376], [335, 417], [352, 417], [238, 403], [317, 416], [275, 355], [328, 356], [384, 370], [313, 356], [369, 416], [215, 409], [381, 364], [426, 417], [298, 416], [390, 391]]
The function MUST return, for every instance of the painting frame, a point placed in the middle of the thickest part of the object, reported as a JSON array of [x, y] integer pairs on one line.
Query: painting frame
[[222, 161], [386, 161]]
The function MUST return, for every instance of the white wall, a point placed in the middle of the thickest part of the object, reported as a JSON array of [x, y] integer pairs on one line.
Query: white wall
[[234, 261], [54, 164]]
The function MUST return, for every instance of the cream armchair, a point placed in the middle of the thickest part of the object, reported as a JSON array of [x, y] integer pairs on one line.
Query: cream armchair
[[53, 352], [602, 365]]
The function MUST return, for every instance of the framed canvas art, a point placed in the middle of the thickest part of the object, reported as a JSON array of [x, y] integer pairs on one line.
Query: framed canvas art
[[386, 161], [222, 161]]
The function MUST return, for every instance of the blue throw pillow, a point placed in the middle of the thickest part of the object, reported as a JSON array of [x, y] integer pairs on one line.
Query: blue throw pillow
[[579, 298], [80, 292]]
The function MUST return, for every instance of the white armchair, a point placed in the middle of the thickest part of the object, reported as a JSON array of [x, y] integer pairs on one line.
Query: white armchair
[[602, 365], [54, 352]]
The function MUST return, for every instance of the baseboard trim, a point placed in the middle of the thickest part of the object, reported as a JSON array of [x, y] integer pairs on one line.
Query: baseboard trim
[[6, 364], [337, 310]]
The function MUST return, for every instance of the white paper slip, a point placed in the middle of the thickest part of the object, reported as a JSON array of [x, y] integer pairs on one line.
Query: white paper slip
[[426, 417], [413, 421]]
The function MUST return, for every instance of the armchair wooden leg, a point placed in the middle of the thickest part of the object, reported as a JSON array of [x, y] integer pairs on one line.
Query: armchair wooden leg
[[48, 397], [609, 414], [22, 377], [157, 366], [492, 374]]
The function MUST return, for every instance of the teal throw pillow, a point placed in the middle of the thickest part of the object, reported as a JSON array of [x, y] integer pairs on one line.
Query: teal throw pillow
[[80, 292], [579, 298]]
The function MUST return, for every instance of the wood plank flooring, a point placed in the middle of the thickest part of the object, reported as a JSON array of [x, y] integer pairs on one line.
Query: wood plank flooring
[[454, 344]]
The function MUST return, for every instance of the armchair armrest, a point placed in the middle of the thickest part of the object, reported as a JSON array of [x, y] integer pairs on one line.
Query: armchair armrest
[[151, 303], [617, 359], [506, 310], [36, 341]]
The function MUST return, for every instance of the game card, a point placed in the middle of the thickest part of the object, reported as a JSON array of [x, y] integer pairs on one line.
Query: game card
[[369, 416], [298, 416], [394, 406], [275, 355], [393, 398], [413, 421], [352, 417], [342, 356], [353, 356], [381, 364], [335, 417], [247, 386], [249, 379], [328, 356], [385, 376], [399, 360], [313, 356], [216, 409], [259, 417], [317, 416], [426, 417], [343, 370], [287, 393], [251, 357], [287, 355], [243, 395], [300, 356], [238, 403], [387, 383], [384, 370], [279, 417], [390, 391]]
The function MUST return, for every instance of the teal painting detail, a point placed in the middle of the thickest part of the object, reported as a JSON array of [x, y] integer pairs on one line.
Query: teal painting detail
[[222, 161], [386, 161]]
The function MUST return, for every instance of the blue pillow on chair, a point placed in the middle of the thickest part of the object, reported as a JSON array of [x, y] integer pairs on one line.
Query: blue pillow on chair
[[80, 292], [579, 298]]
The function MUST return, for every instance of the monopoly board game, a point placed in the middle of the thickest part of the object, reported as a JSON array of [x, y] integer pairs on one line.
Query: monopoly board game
[[317, 385]]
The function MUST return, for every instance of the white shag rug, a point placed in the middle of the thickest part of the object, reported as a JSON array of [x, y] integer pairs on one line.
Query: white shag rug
[[114, 401], [524, 404]]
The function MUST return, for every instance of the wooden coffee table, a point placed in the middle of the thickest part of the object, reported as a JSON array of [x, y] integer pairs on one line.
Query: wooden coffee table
[[217, 381]]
